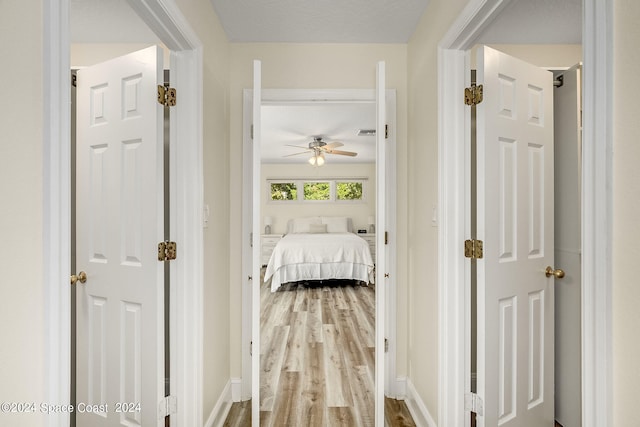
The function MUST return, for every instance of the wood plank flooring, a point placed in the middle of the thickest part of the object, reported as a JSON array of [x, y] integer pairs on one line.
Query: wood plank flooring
[[317, 359], [317, 355], [396, 414]]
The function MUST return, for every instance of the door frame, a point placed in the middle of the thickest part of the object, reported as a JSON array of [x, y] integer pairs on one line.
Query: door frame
[[392, 386], [454, 210], [186, 188]]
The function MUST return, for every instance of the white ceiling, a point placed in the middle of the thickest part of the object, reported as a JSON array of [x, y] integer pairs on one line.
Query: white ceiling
[[317, 21], [298, 124], [320, 21]]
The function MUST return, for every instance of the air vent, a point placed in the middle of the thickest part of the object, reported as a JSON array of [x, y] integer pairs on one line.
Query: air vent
[[366, 132]]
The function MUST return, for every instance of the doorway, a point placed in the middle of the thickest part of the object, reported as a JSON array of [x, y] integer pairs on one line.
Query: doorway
[[596, 309], [322, 96], [187, 179]]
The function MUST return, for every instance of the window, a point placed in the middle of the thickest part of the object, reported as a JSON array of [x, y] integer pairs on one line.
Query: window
[[284, 191], [329, 190], [349, 190], [317, 191]]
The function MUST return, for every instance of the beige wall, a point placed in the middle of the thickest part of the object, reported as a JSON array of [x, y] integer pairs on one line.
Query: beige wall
[[281, 212], [216, 374], [423, 196], [22, 295], [314, 66], [626, 212]]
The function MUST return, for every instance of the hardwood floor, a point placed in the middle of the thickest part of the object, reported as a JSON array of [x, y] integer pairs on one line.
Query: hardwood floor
[[317, 359], [396, 414], [317, 355]]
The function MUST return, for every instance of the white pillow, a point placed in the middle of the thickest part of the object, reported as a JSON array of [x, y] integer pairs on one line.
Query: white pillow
[[336, 224], [302, 225], [317, 228]]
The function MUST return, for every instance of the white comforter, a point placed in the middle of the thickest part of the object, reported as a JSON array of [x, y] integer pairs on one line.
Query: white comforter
[[319, 256]]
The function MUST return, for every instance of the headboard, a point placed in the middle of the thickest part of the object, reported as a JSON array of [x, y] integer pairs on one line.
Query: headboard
[[301, 225]]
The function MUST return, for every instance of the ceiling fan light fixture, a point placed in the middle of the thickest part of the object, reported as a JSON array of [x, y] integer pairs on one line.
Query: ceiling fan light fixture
[[317, 159]]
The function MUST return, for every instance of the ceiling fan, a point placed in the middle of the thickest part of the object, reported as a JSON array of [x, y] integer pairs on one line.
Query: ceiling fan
[[318, 148]]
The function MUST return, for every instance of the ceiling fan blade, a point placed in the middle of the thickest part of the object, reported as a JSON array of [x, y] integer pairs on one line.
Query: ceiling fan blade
[[334, 144], [342, 153], [299, 146], [297, 154]]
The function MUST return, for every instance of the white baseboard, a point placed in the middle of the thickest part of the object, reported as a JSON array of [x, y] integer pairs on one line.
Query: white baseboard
[[221, 409], [417, 408], [401, 388], [236, 389]]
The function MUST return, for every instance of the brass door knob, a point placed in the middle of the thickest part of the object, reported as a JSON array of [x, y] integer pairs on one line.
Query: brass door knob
[[558, 273], [80, 277]]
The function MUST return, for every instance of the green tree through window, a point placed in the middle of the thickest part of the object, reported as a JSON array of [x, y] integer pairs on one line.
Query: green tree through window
[[349, 190], [284, 191], [309, 190], [317, 191]]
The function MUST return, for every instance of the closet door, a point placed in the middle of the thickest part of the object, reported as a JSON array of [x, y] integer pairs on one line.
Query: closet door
[[515, 221], [120, 220]]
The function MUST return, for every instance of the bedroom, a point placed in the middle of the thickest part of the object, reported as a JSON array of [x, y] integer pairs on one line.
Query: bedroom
[[316, 328]]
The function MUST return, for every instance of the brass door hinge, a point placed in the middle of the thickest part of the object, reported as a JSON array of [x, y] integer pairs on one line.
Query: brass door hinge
[[386, 237], [167, 251], [166, 96], [473, 95], [386, 131], [386, 345], [473, 249]]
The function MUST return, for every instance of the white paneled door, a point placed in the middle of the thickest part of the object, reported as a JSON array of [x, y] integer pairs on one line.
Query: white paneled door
[[515, 221], [120, 310]]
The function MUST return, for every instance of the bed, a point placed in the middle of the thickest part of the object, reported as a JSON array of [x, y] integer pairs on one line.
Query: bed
[[319, 248]]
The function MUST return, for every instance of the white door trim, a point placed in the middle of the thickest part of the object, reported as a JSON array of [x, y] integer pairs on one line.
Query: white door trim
[[166, 20], [256, 166], [275, 96], [597, 216], [381, 271], [453, 162]]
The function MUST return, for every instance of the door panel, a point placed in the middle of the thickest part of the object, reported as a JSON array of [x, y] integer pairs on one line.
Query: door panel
[[120, 310], [515, 221]]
